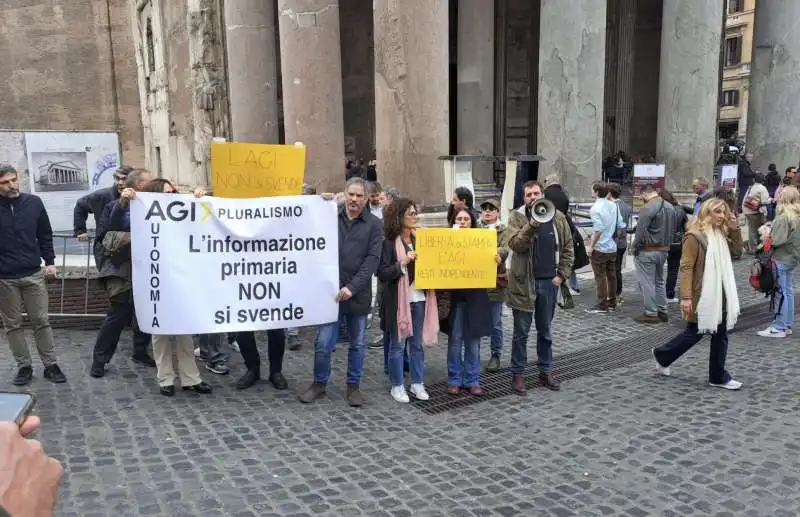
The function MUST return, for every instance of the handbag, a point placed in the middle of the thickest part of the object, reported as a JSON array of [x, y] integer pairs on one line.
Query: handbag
[[564, 297], [751, 202]]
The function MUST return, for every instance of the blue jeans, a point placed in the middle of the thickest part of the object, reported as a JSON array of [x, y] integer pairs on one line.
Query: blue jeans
[[573, 282], [497, 327], [400, 349], [387, 345], [784, 315], [460, 372], [326, 341], [544, 309]]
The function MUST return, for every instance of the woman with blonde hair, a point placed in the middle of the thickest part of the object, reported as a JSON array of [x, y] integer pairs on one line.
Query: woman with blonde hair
[[709, 301], [785, 236]]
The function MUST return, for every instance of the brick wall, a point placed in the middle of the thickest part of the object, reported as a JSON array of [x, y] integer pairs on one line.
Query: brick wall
[[75, 301], [57, 62]]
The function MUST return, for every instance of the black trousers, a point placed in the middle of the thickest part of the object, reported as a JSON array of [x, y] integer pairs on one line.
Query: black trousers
[[620, 260], [673, 268], [120, 314], [276, 346]]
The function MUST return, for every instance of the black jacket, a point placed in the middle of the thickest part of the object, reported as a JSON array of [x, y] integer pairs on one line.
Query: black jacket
[[26, 236], [389, 274], [92, 203], [556, 195], [360, 243]]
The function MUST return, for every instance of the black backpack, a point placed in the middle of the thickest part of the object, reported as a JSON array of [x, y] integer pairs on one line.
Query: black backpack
[[764, 278]]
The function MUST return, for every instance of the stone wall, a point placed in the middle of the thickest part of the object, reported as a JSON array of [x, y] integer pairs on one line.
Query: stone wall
[[62, 71]]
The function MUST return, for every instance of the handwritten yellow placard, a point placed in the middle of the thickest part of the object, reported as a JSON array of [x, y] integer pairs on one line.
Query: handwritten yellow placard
[[455, 259], [257, 170]]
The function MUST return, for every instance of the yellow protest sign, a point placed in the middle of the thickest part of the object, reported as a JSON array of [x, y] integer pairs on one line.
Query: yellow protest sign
[[455, 259], [257, 170]]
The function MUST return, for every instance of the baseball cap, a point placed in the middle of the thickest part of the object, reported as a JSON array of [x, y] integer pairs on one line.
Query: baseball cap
[[492, 202]]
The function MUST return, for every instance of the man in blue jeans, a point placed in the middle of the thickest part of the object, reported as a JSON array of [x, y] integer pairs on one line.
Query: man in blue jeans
[[360, 243], [541, 260]]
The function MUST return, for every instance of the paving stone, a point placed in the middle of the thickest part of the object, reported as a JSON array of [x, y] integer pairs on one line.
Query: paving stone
[[625, 442]]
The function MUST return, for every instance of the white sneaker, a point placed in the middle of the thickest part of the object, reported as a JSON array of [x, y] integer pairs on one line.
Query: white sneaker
[[662, 370], [573, 292], [673, 300], [419, 392], [197, 352], [730, 385], [399, 394], [235, 347], [771, 332], [788, 331]]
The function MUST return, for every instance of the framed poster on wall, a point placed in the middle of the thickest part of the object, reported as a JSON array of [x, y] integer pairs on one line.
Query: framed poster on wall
[[65, 166]]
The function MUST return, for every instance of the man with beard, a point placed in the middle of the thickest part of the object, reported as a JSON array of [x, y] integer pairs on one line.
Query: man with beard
[[94, 203], [360, 246]]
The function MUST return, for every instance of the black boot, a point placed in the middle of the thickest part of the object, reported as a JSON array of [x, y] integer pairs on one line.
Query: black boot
[[252, 376], [279, 381]]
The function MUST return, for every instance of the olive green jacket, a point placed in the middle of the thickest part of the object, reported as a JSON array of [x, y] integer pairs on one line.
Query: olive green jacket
[[498, 295], [518, 237]]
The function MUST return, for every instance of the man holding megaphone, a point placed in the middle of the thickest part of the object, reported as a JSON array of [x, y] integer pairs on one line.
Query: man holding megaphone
[[540, 239]]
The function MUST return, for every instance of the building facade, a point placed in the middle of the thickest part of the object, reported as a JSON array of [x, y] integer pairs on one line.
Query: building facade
[[408, 82], [737, 55], [69, 66]]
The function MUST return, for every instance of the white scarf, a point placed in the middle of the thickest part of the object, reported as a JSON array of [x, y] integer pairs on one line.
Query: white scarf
[[717, 278]]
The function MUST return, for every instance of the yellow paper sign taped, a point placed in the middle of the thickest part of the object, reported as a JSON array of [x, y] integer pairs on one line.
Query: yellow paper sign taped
[[257, 170], [455, 259]]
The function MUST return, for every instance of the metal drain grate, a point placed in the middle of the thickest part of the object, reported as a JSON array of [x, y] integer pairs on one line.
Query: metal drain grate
[[576, 364]]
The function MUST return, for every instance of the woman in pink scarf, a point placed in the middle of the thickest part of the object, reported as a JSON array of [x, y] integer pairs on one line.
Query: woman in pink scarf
[[407, 314]]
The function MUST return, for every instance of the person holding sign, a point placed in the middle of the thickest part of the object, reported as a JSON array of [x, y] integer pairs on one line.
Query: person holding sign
[[360, 245], [406, 313], [164, 346], [541, 260], [469, 320]]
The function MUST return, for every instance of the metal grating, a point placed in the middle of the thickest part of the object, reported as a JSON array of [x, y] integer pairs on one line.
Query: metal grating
[[576, 364]]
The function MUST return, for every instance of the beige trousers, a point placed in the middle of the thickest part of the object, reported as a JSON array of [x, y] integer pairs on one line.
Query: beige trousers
[[183, 348]]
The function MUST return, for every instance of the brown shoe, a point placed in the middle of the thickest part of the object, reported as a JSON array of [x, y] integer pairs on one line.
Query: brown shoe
[[644, 318], [549, 382], [663, 316], [453, 390], [315, 391], [354, 396], [476, 391], [518, 381]]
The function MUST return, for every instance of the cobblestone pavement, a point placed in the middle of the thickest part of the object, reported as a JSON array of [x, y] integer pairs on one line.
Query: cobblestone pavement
[[625, 443]]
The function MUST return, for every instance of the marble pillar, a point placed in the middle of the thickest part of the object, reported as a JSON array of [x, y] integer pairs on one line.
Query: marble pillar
[[571, 69], [475, 118], [311, 72], [773, 116], [250, 33], [412, 96], [688, 100]]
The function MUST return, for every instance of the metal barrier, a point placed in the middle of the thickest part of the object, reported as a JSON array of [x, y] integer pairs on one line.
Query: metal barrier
[[75, 292]]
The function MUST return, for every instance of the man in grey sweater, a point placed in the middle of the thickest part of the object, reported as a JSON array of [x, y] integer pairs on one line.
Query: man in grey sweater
[[650, 248]]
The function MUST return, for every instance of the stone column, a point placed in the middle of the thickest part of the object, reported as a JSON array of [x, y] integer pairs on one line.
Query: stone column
[[572, 54], [688, 99], [626, 58], [475, 119], [773, 118], [311, 66], [412, 96], [252, 70]]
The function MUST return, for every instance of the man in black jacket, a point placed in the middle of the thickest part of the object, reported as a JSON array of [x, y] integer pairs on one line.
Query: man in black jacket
[[116, 278], [360, 245], [26, 238], [94, 203]]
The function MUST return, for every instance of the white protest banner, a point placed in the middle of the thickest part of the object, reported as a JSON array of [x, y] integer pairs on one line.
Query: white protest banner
[[211, 265]]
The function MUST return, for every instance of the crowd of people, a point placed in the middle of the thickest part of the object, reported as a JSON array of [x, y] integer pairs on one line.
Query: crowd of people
[[535, 263]]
